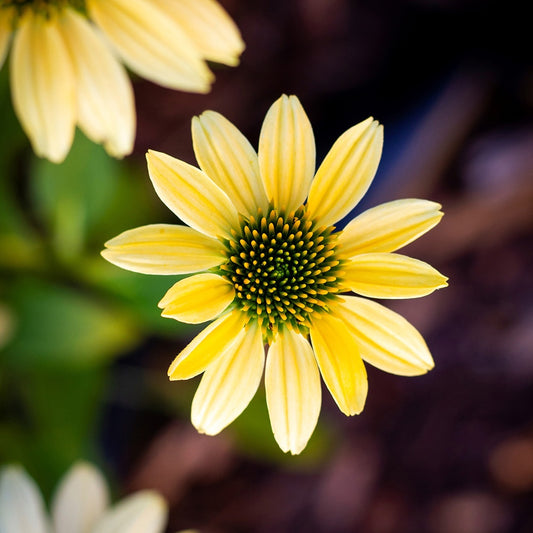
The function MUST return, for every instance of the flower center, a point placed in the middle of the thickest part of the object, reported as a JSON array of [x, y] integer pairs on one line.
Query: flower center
[[283, 268]]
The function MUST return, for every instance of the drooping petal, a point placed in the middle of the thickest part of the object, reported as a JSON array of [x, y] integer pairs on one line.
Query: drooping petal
[[208, 346], [340, 363], [80, 500], [143, 512], [106, 111], [21, 503], [42, 86], [151, 43], [385, 338], [346, 173], [6, 20], [227, 157], [388, 226], [384, 275], [287, 153], [293, 390], [191, 195], [164, 249], [197, 298], [229, 383], [208, 26]]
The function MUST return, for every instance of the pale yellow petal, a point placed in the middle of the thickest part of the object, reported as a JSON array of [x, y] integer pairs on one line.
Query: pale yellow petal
[[227, 157], [385, 275], [385, 338], [80, 500], [208, 26], [287, 153], [340, 363], [191, 195], [388, 226], [229, 383], [197, 298], [293, 390], [151, 43], [42, 86], [346, 173], [164, 249], [106, 110], [208, 346], [6, 21]]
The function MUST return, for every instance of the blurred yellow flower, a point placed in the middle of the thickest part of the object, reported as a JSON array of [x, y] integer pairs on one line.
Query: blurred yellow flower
[[65, 67], [278, 272]]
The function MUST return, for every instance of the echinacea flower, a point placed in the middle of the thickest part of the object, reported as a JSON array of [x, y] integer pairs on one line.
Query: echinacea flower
[[80, 505], [275, 270], [65, 67]]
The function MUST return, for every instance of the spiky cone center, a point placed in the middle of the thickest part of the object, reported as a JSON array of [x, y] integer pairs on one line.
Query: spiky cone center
[[283, 268]]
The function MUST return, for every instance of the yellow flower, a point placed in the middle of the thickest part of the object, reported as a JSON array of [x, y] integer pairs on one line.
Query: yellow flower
[[278, 272], [65, 67]]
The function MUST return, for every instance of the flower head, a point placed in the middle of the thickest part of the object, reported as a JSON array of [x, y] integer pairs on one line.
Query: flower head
[[65, 67], [275, 270]]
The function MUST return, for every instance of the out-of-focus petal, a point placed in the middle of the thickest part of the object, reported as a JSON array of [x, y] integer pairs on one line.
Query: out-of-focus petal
[[229, 383], [43, 86], [80, 500], [151, 43], [389, 226], [6, 21], [293, 390], [346, 173], [227, 157], [106, 111], [287, 153], [197, 298], [384, 275], [164, 249], [191, 195]]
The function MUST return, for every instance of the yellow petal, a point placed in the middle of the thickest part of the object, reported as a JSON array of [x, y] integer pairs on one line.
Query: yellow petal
[[385, 338], [106, 111], [229, 383], [293, 390], [151, 43], [340, 363], [346, 173], [191, 195], [163, 249], [287, 153], [227, 157], [385, 275], [208, 346], [197, 298], [6, 20], [388, 226], [42, 86], [208, 26]]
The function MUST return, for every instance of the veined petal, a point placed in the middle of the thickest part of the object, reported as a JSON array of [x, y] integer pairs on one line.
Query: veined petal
[[229, 383], [106, 111], [340, 363], [143, 512], [151, 43], [197, 298], [80, 500], [346, 173], [6, 20], [42, 86], [385, 275], [385, 338], [388, 226], [164, 249], [293, 390], [227, 157], [287, 153], [21, 503], [191, 195], [208, 346], [208, 26]]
